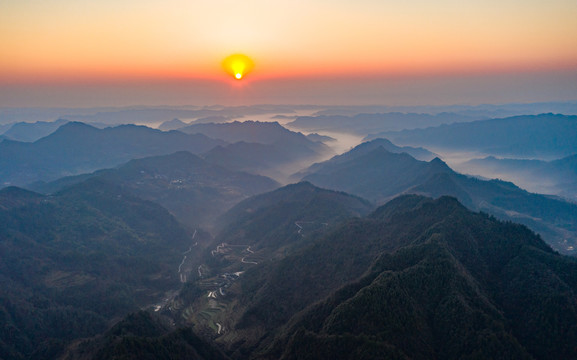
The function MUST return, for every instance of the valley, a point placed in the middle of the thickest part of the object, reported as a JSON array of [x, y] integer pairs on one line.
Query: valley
[[254, 240]]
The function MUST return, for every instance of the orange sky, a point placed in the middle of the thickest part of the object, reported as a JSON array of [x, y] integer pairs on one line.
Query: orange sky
[[91, 41]]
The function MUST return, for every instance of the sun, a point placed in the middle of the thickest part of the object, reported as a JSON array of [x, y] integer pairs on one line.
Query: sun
[[238, 65]]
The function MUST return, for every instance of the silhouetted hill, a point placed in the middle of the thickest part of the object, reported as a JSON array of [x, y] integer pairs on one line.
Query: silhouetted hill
[[320, 138], [259, 230], [380, 175], [73, 261], [192, 189], [518, 136], [296, 145], [212, 119], [419, 279], [265, 148], [79, 148], [552, 177], [372, 123], [173, 124], [265, 159], [29, 132], [372, 172], [276, 219], [363, 149]]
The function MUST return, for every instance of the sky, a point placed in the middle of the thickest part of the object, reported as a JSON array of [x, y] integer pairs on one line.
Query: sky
[[128, 52]]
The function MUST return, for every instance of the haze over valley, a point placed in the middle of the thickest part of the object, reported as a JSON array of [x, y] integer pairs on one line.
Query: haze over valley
[[279, 232]]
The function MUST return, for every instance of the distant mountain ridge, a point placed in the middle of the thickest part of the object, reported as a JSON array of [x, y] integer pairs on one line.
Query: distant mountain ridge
[[79, 148], [265, 148], [557, 176], [29, 132], [543, 135], [365, 123], [173, 124], [270, 133]]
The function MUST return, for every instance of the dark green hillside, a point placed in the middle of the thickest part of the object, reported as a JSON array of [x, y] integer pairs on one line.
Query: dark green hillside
[[256, 231], [466, 286], [416, 279], [73, 261], [145, 336], [276, 219]]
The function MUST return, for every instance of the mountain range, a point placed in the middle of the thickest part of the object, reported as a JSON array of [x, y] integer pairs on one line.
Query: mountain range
[[365, 123], [29, 132], [74, 261], [77, 148], [195, 191], [363, 149], [380, 175], [551, 177], [416, 279], [166, 245], [278, 220], [270, 133], [265, 148], [527, 136]]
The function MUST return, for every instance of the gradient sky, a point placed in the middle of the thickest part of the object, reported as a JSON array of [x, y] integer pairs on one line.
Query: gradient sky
[[49, 46]]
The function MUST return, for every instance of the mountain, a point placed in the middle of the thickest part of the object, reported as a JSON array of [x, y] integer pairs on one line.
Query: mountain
[[173, 124], [544, 135], [28, 132], [320, 138], [259, 230], [269, 133], [143, 335], [552, 177], [364, 123], [192, 189], [286, 214], [362, 149], [380, 175], [264, 159], [416, 279], [372, 172], [212, 119], [5, 127], [79, 148], [265, 148], [74, 261], [454, 285]]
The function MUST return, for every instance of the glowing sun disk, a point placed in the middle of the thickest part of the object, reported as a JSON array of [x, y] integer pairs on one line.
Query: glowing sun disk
[[238, 65]]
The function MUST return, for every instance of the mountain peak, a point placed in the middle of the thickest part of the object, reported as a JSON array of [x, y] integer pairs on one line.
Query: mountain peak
[[440, 165], [70, 128], [76, 125]]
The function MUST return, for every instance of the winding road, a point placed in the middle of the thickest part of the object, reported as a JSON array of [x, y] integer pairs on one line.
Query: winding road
[[183, 276]]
